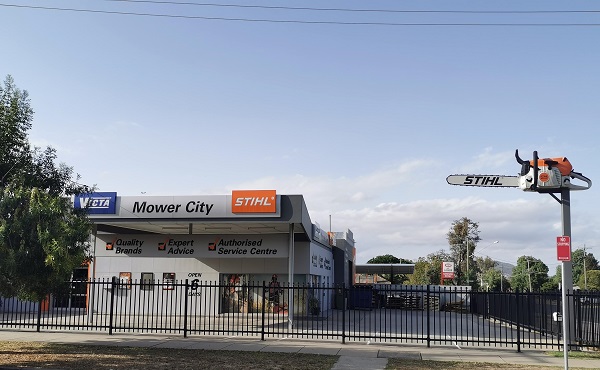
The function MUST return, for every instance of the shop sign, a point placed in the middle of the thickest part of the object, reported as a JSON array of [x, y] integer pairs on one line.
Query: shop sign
[[253, 201], [98, 203], [327, 264], [447, 270], [196, 246]]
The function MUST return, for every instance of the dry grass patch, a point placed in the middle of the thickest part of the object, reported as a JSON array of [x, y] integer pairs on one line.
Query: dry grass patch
[[63, 356], [402, 364]]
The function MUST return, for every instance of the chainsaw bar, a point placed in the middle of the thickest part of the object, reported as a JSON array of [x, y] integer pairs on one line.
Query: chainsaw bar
[[494, 181]]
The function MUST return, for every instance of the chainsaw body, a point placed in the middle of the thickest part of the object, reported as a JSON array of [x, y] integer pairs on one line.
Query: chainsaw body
[[549, 175]]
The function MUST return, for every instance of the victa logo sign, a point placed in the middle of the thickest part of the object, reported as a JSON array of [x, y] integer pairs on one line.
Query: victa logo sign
[[253, 201], [97, 203]]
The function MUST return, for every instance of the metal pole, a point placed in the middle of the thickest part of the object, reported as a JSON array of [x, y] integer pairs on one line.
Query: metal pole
[[567, 277], [185, 307], [91, 291], [565, 319], [291, 280], [428, 305]]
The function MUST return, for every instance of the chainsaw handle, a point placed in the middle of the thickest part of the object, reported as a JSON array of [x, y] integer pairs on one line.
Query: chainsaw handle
[[536, 170], [579, 176]]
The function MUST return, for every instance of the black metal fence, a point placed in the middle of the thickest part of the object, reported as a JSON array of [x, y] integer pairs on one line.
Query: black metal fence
[[431, 315]]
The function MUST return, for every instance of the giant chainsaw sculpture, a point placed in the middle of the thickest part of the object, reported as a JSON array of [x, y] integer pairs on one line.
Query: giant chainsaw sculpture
[[550, 176], [546, 175]]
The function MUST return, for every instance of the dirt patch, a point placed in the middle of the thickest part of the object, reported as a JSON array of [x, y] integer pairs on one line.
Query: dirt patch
[[62, 356]]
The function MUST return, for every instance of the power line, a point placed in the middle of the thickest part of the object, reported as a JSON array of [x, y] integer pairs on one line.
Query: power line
[[357, 10], [162, 15]]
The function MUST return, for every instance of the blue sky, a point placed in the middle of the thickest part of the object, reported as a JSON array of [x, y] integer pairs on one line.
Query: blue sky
[[366, 121]]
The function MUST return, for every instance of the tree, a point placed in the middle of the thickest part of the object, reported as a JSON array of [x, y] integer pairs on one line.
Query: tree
[[593, 280], [15, 121], [389, 259], [557, 278], [549, 286], [428, 270], [493, 280], [485, 263], [463, 238], [529, 274], [582, 262], [42, 237]]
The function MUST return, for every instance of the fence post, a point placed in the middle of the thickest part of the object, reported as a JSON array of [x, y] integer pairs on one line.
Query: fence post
[[427, 303], [113, 287], [578, 314], [39, 315], [185, 308], [518, 303], [344, 295], [263, 309]]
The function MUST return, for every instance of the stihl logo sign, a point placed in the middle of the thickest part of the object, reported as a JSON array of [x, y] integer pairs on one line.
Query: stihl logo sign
[[483, 180], [253, 201]]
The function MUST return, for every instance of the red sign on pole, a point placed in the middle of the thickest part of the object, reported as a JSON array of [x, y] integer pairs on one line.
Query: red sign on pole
[[448, 270], [563, 248]]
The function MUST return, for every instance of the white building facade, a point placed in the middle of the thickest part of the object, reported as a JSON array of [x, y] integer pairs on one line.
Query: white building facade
[[246, 238]]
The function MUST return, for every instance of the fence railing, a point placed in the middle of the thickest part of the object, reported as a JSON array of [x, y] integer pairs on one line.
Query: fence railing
[[431, 315]]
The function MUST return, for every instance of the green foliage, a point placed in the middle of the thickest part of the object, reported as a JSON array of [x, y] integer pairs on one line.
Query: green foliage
[[491, 281], [15, 119], [529, 274], [389, 259], [549, 286], [428, 270], [578, 257], [386, 258], [463, 238], [593, 280], [42, 238], [484, 264]]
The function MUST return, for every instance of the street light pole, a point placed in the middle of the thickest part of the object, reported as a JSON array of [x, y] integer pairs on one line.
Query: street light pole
[[473, 255]]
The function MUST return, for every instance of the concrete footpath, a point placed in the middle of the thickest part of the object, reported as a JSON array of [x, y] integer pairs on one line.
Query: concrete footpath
[[353, 355]]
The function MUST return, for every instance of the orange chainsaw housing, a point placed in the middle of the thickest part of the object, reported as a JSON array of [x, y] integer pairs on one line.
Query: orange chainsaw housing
[[562, 163]]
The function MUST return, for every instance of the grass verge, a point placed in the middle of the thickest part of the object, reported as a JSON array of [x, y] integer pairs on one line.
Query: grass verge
[[402, 364], [63, 356], [576, 354]]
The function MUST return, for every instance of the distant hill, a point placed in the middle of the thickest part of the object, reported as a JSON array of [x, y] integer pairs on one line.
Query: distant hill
[[505, 267]]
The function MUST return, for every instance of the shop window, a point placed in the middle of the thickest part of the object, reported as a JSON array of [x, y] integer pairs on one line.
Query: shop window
[[125, 280], [147, 281], [168, 280], [235, 294]]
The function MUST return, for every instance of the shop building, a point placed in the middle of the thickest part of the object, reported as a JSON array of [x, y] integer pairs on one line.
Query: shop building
[[243, 238]]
